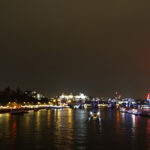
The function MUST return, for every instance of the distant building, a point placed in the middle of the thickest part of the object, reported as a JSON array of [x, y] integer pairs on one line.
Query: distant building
[[34, 94]]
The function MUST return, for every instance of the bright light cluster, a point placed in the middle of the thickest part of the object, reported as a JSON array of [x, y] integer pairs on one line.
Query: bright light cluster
[[77, 97]]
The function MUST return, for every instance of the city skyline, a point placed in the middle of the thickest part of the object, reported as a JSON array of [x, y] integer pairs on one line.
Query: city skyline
[[112, 95]]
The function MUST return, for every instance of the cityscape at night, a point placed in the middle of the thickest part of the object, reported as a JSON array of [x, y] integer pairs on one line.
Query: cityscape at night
[[74, 75], [33, 107]]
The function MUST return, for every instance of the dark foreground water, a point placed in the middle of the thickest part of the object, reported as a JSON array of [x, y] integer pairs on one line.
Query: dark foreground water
[[70, 129]]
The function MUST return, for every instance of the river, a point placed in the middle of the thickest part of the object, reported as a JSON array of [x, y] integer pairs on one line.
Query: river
[[70, 129]]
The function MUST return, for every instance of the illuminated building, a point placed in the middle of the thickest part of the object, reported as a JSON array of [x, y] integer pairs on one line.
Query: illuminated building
[[76, 98]]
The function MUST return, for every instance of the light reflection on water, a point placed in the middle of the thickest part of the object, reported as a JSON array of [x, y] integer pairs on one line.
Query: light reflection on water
[[148, 134], [71, 129]]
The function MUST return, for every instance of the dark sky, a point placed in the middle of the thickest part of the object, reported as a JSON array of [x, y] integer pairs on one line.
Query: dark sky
[[91, 46]]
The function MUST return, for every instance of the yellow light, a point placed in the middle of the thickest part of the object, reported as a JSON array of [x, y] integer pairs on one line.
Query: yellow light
[[69, 101], [117, 105]]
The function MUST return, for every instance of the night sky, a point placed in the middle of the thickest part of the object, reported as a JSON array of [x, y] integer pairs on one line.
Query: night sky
[[90, 46]]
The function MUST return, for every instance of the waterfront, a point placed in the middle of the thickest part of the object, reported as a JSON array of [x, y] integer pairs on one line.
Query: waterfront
[[71, 129]]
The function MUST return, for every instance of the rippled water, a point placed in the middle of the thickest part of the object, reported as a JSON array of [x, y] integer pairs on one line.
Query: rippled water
[[70, 129]]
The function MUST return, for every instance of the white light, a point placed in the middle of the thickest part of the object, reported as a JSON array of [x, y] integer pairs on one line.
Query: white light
[[62, 96], [82, 96], [70, 96], [77, 97]]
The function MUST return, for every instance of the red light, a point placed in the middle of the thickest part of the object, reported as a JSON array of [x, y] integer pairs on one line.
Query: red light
[[148, 96]]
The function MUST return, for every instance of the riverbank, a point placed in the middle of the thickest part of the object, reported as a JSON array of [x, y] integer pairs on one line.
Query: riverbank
[[30, 107]]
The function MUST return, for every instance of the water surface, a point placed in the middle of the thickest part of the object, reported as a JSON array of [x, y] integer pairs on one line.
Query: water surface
[[70, 129]]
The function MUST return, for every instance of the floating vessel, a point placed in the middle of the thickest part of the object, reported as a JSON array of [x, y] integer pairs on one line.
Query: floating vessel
[[16, 112], [55, 107], [131, 111], [94, 115]]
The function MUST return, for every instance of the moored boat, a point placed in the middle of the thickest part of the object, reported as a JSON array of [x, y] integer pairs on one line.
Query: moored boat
[[15, 112]]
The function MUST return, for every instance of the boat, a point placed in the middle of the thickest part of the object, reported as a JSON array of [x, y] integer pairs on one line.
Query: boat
[[16, 112], [94, 115], [54, 107]]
